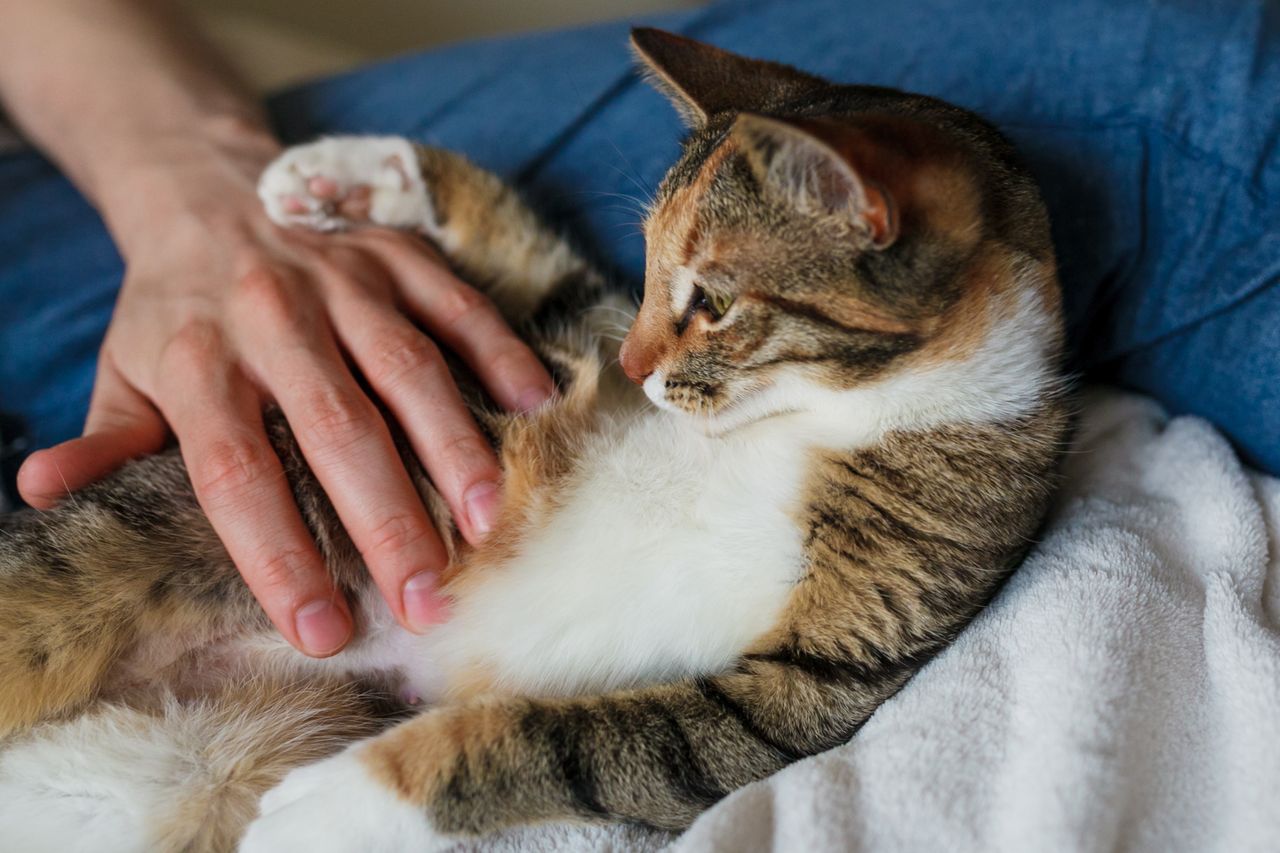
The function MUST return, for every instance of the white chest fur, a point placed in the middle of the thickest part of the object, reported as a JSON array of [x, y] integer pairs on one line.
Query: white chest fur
[[675, 550], [671, 554]]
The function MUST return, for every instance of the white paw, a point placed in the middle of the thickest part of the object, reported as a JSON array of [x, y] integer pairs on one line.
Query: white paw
[[336, 806], [352, 180]]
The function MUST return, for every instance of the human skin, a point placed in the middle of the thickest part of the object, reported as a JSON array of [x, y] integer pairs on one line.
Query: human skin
[[222, 312]]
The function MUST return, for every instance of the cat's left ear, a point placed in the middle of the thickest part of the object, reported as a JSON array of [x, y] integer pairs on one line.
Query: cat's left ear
[[702, 80], [801, 162]]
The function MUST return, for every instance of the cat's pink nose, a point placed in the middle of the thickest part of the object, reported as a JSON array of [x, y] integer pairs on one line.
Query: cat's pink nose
[[636, 363]]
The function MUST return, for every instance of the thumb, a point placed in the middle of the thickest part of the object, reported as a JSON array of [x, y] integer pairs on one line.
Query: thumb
[[122, 425]]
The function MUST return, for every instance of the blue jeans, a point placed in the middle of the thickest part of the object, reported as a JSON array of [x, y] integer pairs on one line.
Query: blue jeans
[[1152, 128]]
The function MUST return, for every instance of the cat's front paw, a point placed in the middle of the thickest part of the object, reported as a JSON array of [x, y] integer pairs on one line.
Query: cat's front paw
[[337, 806], [355, 180]]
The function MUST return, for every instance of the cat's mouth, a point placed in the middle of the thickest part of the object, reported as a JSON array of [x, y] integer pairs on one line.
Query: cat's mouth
[[729, 417]]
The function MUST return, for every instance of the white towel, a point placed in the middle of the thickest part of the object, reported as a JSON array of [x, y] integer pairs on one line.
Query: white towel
[[1121, 693]]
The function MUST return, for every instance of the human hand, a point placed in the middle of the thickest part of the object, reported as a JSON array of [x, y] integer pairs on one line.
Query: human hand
[[221, 312]]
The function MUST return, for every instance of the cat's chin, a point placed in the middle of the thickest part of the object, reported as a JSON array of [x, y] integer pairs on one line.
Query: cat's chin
[[737, 415], [711, 426]]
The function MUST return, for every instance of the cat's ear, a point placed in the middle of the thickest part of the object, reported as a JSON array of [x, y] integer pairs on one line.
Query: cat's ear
[[808, 164], [702, 80]]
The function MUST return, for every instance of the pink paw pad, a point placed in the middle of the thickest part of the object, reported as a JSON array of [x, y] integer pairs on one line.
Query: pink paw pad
[[323, 188]]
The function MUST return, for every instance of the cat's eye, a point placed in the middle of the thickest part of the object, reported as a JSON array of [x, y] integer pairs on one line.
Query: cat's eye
[[715, 304]]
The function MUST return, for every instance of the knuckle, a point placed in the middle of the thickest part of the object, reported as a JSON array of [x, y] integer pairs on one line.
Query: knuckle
[[348, 262], [460, 306], [466, 452], [281, 569], [193, 348], [400, 355], [228, 467], [334, 418], [396, 534], [266, 292]]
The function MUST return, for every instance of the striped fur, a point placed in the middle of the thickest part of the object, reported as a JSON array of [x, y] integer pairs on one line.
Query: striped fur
[[851, 336]]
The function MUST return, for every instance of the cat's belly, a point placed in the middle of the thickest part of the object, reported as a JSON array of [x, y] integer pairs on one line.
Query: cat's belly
[[668, 558]]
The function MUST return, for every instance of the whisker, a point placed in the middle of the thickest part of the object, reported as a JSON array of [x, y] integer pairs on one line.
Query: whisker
[[630, 175]]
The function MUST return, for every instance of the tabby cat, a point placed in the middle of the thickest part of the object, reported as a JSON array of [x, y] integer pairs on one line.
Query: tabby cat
[[829, 436]]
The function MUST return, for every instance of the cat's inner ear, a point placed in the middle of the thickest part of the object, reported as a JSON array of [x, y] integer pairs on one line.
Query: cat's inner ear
[[702, 80], [801, 163]]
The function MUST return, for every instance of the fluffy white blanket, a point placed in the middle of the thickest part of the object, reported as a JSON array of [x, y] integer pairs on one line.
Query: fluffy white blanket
[[1122, 692]]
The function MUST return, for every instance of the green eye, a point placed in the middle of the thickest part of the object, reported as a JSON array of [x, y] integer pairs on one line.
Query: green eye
[[716, 304]]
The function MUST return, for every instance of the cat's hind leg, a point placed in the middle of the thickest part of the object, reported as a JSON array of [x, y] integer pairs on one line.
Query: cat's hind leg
[[120, 579], [173, 776]]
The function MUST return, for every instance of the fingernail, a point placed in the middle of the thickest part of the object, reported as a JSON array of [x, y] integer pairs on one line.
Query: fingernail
[[481, 501], [423, 604], [532, 399], [322, 627]]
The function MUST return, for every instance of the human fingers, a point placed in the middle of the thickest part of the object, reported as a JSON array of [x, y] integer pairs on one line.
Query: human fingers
[[467, 322], [345, 441], [410, 376], [239, 481]]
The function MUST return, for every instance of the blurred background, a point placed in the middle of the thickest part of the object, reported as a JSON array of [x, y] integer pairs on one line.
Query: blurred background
[[275, 42]]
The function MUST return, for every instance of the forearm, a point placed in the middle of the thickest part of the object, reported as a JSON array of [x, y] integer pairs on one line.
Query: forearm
[[111, 89]]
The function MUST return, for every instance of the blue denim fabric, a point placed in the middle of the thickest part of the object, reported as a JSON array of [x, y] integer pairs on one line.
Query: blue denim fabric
[[1152, 127]]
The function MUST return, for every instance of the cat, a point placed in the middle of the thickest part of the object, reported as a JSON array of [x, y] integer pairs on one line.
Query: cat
[[831, 433]]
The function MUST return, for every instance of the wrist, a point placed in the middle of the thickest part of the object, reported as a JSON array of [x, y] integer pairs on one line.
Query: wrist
[[204, 177]]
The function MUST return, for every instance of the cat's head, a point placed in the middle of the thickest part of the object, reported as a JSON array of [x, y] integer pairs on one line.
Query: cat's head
[[815, 239]]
